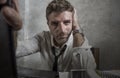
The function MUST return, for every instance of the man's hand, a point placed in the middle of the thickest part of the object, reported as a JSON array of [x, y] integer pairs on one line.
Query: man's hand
[[12, 16], [78, 38], [75, 21]]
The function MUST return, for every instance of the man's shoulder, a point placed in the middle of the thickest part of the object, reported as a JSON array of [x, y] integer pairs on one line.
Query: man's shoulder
[[43, 34]]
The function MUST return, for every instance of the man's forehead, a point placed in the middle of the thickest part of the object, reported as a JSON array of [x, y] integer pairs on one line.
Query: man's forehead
[[60, 15]]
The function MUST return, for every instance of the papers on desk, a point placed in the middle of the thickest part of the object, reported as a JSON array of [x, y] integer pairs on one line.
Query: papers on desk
[[79, 73], [110, 74], [64, 75]]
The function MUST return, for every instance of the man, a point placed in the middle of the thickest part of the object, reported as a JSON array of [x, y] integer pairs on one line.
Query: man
[[64, 47]]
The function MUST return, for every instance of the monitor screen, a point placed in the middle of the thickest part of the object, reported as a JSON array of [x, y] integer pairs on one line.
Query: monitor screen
[[7, 53]]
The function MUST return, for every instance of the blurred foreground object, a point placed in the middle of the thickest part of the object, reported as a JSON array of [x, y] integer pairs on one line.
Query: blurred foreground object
[[11, 15], [3, 2]]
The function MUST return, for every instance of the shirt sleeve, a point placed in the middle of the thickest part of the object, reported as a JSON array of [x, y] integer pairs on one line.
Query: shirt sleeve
[[28, 46], [85, 44], [83, 59]]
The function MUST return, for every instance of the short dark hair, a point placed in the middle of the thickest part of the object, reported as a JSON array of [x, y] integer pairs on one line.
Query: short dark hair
[[58, 6]]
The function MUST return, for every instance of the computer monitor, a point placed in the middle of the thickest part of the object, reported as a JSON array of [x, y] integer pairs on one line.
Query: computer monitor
[[7, 53]]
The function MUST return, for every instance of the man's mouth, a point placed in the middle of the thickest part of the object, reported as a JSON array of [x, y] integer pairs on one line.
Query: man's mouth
[[62, 37]]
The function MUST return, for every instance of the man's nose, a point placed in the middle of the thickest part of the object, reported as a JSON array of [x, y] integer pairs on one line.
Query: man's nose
[[61, 27]]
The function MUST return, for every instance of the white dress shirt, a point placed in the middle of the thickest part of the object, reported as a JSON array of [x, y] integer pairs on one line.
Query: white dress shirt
[[72, 58]]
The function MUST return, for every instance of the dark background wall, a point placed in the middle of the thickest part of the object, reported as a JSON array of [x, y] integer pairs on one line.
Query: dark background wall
[[100, 20], [101, 23]]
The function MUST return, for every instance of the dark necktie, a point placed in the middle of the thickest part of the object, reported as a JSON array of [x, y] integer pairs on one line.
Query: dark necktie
[[55, 64]]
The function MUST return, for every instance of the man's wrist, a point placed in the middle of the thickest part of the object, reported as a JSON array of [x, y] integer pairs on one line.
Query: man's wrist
[[78, 38], [77, 31]]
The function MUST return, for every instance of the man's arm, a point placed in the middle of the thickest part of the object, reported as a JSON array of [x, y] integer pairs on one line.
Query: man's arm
[[83, 59], [82, 55], [28, 47]]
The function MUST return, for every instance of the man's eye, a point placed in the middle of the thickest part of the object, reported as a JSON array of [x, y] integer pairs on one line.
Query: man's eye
[[54, 23], [67, 22]]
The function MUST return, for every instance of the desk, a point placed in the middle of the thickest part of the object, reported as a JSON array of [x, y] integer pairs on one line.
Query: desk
[[110, 73], [30, 73], [79, 73], [114, 72]]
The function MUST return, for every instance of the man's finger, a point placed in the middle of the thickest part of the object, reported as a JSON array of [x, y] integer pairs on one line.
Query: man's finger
[[75, 15], [75, 21]]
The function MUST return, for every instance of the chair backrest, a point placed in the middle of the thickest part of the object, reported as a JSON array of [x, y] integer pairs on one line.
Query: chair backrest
[[95, 52]]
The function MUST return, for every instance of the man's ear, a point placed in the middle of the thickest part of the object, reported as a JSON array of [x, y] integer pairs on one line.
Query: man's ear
[[48, 22]]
